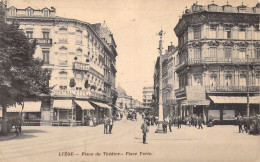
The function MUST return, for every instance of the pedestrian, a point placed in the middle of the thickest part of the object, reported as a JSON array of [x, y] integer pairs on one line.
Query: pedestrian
[[94, 121], [179, 122], [145, 130], [196, 121], [200, 123], [170, 123], [189, 119], [106, 124], [164, 126], [111, 123], [239, 119]]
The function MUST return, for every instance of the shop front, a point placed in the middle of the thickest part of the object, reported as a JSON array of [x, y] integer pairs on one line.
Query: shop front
[[101, 110], [30, 111], [84, 112], [225, 109], [63, 112]]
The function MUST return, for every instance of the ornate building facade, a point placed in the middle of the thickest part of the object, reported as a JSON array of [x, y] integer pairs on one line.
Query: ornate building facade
[[219, 61], [82, 60]]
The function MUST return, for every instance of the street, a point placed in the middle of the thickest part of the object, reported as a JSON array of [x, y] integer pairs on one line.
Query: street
[[46, 143]]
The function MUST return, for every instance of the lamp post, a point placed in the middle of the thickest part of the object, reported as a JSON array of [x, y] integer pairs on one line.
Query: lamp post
[[247, 84], [160, 104]]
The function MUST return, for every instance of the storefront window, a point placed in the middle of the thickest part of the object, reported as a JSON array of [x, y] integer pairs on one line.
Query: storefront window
[[63, 114]]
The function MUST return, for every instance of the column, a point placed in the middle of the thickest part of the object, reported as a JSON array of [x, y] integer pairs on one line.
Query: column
[[83, 114], [204, 113]]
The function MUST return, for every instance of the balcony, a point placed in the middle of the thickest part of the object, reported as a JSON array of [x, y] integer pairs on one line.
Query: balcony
[[212, 60], [232, 89], [81, 66], [42, 41], [80, 94]]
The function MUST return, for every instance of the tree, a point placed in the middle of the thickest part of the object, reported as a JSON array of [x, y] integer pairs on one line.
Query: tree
[[72, 83], [21, 75]]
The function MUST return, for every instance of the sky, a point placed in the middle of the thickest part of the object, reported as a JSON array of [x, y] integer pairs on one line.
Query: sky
[[134, 24]]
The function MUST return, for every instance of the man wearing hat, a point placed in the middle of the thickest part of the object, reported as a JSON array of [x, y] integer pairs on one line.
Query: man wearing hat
[[145, 130]]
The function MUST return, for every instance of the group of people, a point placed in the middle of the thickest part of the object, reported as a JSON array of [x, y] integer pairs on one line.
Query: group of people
[[247, 124], [108, 124]]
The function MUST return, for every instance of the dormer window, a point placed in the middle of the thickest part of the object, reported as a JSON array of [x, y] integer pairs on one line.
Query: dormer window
[[13, 12], [46, 13], [29, 12]]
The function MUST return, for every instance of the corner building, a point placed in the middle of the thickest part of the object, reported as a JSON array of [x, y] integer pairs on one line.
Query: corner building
[[82, 60], [214, 42]]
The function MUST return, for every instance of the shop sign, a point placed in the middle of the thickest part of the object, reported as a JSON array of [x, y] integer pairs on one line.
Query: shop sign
[[195, 102], [229, 115], [214, 114]]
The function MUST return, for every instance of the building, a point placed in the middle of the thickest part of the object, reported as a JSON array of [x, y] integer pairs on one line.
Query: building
[[147, 96], [214, 43], [126, 102], [82, 60]]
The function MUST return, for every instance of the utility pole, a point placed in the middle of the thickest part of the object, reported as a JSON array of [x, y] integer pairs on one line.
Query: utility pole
[[160, 104]]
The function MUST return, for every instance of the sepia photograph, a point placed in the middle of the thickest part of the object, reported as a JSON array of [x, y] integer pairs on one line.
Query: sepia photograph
[[129, 81]]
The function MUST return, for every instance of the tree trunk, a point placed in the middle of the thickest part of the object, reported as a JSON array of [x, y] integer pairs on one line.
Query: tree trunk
[[4, 120]]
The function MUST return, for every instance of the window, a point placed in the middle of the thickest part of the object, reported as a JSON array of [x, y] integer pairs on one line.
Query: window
[[197, 53], [242, 80], [63, 115], [46, 13], [257, 80], [63, 56], [228, 52], [79, 54], [63, 80], [213, 52], [213, 79], [13, 12], [242, 33], [213, 32], [228, 80], [257, 33], [29, 12], [63, 35], [227, 34], [79, 80], [257, 53], [45, 35], [242, 53], [197, 80], [45, 55], [78, 37], [29, 34], [197, 32]]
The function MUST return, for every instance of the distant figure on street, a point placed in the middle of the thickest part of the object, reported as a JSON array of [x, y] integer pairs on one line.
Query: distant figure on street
[[170, 123], [164, 125], [111, 123], [196, 121], [239, 119], [106, 124], [200, 123], [179, 122], [145, 130]]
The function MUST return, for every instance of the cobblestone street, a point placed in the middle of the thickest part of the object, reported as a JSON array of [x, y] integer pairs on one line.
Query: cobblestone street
[[221, 143]]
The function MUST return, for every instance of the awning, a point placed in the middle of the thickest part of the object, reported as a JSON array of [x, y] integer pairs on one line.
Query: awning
[[118, 108], [62, 104], [85, 105], [102, 105], [235, 99], [29, 106], [195, 102]]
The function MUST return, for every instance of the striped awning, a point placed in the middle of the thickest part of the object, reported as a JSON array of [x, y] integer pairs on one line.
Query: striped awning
[[29, 106], [62, 104], [102, 105], [235, 99], [85, 105]]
